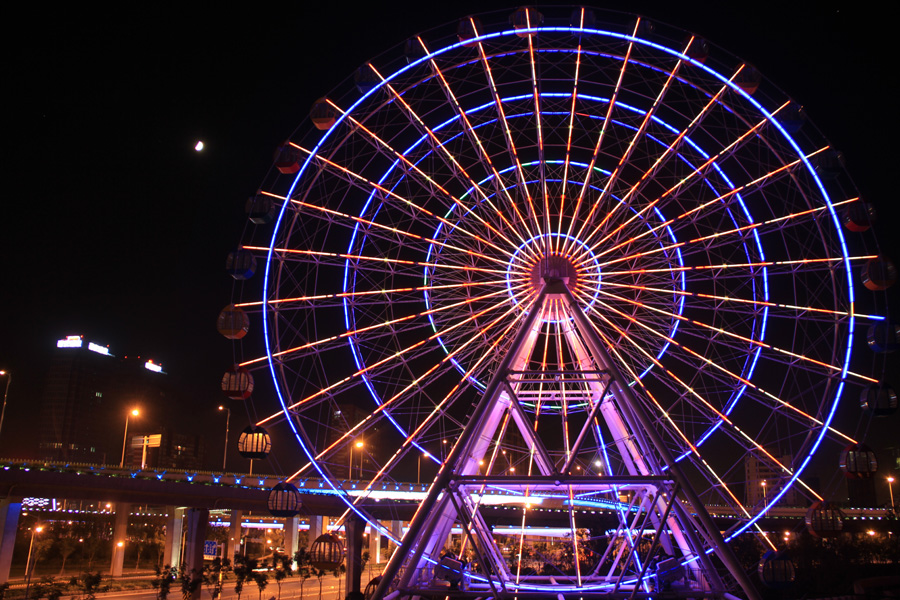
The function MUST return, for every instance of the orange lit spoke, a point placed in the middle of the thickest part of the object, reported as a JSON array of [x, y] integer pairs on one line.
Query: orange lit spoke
[[464, 208], [694, 394], [713, 364], [370, 328], [472, 136], [632, 144], [565, 177], [762, 303], [366, 184], [604, 126], [648, 174], [511, 146], [396, 355]]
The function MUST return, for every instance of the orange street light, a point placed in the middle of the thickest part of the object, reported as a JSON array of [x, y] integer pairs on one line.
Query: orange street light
[[134, 413]]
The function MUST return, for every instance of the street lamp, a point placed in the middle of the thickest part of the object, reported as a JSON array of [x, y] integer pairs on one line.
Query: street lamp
[[134, 412], [359, 445], [890, 481], [765, 495], [227, 424], [419, 467], [34, 530], [8, 376]]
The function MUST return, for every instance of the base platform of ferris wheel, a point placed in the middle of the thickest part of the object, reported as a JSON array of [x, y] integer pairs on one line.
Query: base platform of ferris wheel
[[541, 590]]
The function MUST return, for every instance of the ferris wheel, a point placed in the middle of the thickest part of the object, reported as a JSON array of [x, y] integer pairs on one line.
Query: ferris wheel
[[558, 267]]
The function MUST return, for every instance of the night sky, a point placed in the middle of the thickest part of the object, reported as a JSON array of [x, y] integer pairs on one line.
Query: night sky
[[114, 227]]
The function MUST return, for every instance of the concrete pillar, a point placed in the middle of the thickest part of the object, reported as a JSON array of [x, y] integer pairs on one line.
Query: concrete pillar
[[355, 527], [120, 533], [9, 524], [315, 528], [374, 546], [233, 541], [291, 535], [174, 531], [197, 522]]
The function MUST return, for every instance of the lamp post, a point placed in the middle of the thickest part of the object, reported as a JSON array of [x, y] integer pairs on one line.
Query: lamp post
[[34, 530], [350, 465], [890, 481], [134, 412], [765, 495], [8, 376], [227, 424]]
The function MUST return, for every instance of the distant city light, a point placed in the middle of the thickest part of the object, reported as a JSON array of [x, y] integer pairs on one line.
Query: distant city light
[[98, 348], [199, 146], [71, 341], [151, 366]]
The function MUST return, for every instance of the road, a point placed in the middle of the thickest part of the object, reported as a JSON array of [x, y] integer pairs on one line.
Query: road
[[290, 590]]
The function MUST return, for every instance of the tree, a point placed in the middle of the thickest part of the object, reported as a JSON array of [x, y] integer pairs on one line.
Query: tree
[[214, 575], [190, 581], [48, 588], [282, 564], [261, 580], [67, 546], [243, 569], [89, 585], [301, 557], [320, 574], [163, 581]]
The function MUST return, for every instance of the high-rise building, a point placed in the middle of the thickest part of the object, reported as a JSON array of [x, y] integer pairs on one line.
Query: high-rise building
[[764, 482], [87, 394]]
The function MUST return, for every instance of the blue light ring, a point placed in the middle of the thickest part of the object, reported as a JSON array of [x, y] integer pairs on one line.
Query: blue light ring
[[623, 37]]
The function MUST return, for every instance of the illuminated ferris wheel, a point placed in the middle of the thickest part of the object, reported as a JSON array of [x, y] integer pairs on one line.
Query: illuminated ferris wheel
[[561, 266]]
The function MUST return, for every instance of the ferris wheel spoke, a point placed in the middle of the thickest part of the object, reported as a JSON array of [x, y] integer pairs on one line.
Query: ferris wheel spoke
[[604, 127], [694, 452], [319, 254], [716, 300], [753, 342], [425, 180], [365, 184], [639, 133], [703, 359], [511, 148], [792, 264], [571, 129], [352, 220], [363, 293], [634, 190], [731, 429], [538, 114], [439, 147], [413, 436], [390, 323]]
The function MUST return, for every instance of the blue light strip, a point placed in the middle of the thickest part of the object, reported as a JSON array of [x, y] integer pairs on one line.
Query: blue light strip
[[576, 31]]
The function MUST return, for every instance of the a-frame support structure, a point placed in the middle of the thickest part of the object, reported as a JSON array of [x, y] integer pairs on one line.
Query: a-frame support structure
[[665, 540]]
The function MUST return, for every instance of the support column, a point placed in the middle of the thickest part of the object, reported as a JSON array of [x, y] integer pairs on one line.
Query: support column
[[315, 528], [355, 527], [233, 541], [174, 531], [374, 546], [120, 533], [9, 522], [291, 535], [197, 522]]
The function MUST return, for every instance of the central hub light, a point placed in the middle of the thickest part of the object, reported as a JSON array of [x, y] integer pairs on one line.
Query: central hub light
[[554, 267]]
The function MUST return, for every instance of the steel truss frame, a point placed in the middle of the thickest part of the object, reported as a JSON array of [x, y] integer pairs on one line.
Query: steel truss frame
[[679, 556]]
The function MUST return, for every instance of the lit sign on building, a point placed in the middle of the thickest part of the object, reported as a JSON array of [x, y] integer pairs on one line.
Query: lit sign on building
[[71, 341], [151, 366], [97, 348]]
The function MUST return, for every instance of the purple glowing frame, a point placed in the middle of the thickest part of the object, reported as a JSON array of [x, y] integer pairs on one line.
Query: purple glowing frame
[[709, 253]]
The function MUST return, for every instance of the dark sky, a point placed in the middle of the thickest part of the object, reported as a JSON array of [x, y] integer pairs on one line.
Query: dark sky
[[115, 228]]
